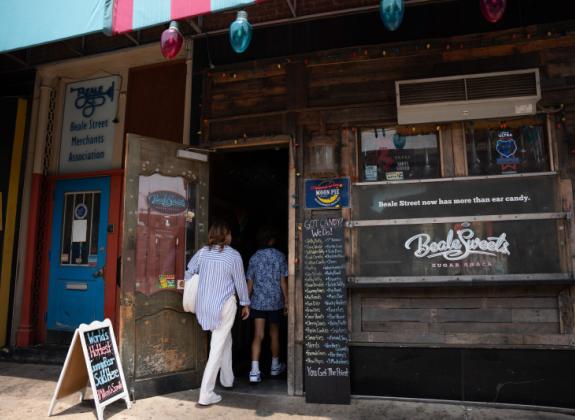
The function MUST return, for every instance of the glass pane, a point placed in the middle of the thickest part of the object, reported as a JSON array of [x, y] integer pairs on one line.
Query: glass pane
[[399, 153], [516, 146], [161, 233], [66, 229], [95, 225], [80, 228]]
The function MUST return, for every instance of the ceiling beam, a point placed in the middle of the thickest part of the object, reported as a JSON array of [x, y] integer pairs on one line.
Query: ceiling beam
[[131, 38], [17, 59], [322, 15], [292, 4]]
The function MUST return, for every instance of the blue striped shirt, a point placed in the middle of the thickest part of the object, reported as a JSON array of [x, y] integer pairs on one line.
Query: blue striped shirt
[[220, 272]]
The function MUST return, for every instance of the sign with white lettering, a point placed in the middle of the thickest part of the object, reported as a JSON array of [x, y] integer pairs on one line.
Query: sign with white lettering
[[453, 249], [87, 142], [456, 198], [327, 378], [93, 357]]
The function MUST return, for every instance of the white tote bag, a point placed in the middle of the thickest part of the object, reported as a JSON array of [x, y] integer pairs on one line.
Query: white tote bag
[[191, 292]]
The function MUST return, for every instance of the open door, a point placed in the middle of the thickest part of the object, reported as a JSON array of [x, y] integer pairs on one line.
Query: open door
[[165, 221]]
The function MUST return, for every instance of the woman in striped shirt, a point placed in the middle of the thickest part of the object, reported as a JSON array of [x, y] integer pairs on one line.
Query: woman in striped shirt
[[221, 274]]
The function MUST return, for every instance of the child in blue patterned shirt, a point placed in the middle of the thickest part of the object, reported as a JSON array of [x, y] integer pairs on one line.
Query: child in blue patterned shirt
[[267, 285]]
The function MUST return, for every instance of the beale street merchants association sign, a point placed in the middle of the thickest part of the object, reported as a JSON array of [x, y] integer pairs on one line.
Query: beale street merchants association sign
[[88, 127]]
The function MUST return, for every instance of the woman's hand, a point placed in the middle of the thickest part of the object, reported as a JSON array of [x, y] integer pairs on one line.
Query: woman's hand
[[245, 312]]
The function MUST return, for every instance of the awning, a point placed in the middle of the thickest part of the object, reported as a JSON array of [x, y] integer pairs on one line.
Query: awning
[[25, 23], [130, 15]]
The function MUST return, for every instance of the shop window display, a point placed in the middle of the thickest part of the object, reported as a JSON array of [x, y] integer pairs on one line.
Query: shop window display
[[397, 154], [510, 147]]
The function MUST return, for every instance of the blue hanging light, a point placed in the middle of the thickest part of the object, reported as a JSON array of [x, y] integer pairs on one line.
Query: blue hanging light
[[391, 12], [240, 32]]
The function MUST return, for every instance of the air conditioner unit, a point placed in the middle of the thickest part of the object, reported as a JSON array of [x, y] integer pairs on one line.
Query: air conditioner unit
[[468, 97]]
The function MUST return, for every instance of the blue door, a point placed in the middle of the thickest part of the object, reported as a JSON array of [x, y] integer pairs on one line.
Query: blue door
[[78, 253]]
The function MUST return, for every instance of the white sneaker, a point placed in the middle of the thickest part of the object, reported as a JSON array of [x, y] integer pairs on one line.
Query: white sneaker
[[213, 399], [278, 370], [255, 377]]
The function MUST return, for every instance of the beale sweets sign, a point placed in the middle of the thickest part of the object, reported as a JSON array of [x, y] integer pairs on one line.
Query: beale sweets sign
[[399, 234], [458, 245]]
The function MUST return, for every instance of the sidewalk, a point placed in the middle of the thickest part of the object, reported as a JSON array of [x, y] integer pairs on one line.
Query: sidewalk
[[26, 391]]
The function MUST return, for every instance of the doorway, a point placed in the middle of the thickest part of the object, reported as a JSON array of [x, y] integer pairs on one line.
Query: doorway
[[249, 190], [78, 256]]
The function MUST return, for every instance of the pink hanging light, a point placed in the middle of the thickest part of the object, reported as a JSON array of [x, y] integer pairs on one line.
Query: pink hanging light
[[493, 10], [171, 41]]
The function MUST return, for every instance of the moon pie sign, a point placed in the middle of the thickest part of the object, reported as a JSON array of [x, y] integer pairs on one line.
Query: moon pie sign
[[327, 193], [167, 202]]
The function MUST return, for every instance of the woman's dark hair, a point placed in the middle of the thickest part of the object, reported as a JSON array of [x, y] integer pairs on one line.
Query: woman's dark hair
[[217, 234], [265, 235]]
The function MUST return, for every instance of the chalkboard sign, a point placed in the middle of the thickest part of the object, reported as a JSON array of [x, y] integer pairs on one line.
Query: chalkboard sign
[[93, 357], [325, 312]]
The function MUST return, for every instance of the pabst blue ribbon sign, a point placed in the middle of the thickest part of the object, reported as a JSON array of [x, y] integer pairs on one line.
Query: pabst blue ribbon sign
[[458, 245]]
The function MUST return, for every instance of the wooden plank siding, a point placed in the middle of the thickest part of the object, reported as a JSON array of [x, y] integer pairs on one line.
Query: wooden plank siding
[[353, 88], [504, 315]]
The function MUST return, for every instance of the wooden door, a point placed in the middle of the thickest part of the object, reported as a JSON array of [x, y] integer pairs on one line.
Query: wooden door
[[165, 221]]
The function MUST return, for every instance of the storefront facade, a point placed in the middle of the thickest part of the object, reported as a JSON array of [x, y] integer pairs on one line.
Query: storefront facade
[[458, 235], [446, 160]]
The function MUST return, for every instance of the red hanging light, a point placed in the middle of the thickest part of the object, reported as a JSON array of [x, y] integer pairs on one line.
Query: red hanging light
[[493, 10], [171, 41]]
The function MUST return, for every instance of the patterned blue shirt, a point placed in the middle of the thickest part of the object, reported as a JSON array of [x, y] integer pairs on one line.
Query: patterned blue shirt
[[267, 267], [221, 275]]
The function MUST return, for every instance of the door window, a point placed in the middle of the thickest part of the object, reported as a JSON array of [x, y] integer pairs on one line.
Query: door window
[[80, 227]]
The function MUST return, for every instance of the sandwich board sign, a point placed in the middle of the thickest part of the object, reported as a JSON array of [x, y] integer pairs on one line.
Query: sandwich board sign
[[93, 357]]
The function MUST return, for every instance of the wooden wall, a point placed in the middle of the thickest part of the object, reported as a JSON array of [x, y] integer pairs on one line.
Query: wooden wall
[[473, 316], [343, 90]]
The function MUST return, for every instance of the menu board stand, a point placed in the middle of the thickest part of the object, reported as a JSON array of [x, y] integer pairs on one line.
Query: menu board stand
[[326, 354], [93, 357]]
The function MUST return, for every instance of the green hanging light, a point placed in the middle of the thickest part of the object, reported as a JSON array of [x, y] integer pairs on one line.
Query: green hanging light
[[391, 12], [240, 32]]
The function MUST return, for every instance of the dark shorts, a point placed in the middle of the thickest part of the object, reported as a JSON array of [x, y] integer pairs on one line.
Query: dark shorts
[[275, 317]]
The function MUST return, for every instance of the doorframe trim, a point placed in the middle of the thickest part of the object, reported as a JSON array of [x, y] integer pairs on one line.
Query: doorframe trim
[[112, 245]]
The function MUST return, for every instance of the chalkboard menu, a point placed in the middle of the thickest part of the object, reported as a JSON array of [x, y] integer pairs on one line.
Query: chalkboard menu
[[93, 358], [325, 312], [103, 363]]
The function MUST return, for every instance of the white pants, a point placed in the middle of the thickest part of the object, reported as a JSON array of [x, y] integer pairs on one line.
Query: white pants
[[220, 353]]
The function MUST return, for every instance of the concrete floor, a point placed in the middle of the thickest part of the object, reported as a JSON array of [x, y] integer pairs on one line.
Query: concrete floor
[[26, 391]]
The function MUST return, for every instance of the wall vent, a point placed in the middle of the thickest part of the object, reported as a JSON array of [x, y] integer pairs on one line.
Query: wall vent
[[456, 98]]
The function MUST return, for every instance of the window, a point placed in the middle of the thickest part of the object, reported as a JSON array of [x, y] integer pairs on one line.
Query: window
[[80, 228], [399, 153], [510, 147]]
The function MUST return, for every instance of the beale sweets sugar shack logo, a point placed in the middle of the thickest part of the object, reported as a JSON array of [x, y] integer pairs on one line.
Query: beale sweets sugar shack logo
[[328, 193], [458, 245]]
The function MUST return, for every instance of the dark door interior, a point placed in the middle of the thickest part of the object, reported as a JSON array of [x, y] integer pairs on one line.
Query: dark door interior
[[249, 190]]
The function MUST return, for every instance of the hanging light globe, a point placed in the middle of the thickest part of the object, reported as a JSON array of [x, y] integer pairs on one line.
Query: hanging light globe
[[391, 12], [493, 10], [171, 41], [240, 32]]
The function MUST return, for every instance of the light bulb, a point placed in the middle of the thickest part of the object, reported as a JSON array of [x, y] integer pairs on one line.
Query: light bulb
[[240, 32]]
